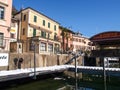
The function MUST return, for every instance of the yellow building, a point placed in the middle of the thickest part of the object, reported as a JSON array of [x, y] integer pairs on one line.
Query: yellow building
[[36, 29]]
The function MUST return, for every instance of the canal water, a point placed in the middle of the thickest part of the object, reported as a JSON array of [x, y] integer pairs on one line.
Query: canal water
[[64, 82]]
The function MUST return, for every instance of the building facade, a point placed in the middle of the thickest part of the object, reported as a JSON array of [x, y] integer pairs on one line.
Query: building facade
[[5, 20], [107, 44], [37, 30], [81, 43], [13, 30], [14, 44]]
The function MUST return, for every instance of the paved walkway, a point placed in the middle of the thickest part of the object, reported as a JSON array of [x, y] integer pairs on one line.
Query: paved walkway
[[29, 72]]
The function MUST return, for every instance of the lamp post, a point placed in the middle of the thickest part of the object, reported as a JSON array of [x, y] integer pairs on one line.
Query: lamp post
[[34, 62], [75, 73], [77, 55], [34, 59]]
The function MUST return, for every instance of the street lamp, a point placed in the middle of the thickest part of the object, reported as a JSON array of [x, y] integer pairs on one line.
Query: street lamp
[[75, 73], [77, 55], [33, 42], [34, 61]]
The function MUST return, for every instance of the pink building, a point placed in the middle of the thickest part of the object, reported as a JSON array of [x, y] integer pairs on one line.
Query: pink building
[[66, 37], [81, 43], [5, 20]]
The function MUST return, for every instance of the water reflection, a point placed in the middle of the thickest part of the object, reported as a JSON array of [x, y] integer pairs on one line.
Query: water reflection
[[93, 82], [66, 82], [70, 87]]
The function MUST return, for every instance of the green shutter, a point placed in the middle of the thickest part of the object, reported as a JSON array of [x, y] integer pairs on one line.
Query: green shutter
[[34, 32], [48, 25], [45, 34], [43, 22], [55, 27], [35, 18]]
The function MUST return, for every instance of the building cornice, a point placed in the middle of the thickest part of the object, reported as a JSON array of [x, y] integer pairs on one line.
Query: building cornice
[[3, 4], [37, 12], [5, 26]]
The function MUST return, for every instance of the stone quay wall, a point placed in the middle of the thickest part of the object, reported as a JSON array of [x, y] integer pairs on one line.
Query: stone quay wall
[[26, 60]]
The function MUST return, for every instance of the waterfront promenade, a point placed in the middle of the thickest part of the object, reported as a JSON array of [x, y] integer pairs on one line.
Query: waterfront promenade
[[29, 72]]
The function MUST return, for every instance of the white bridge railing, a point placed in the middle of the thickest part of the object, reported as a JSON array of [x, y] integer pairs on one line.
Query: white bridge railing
[[53, 68], [94, 68]]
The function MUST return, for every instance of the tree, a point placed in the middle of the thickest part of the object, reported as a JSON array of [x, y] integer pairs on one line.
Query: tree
[[65, 35]]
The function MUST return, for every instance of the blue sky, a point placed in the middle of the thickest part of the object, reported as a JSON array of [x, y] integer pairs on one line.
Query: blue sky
[[89, 17]]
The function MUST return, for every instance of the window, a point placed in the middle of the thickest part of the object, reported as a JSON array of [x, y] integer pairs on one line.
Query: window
[[48, 35], [24, 18], [82, 41], [55, 36], [48, 25], [43, 46], [19, 46], [55, 27], [1, 39], [43, 22], [31, 46], [50, 48], [12, 35], [23, 32], [79, 40], [35, 18], [12, 24], [34, 32], [43, 34], [2, 12], [76, 40]]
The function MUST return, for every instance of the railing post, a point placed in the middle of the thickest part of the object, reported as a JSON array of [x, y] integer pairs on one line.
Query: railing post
[[104, 73]]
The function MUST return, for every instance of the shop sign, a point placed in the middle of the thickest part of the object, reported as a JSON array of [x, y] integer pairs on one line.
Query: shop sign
[[4, 59]]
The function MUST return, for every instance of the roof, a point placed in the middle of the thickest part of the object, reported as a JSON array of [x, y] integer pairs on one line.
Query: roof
[[106, 38], [37, 12]]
